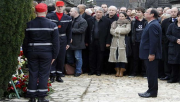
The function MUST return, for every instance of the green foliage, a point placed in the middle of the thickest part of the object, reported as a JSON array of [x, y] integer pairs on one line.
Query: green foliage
[[13, 18]]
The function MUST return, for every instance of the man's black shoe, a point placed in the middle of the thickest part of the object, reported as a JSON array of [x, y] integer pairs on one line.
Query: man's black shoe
[[62, 75], [146, 95], [77, 74], [98, 74], [58, 79], [52, 79], [32, 100], [42, 100], [165, 78], [172, 81]]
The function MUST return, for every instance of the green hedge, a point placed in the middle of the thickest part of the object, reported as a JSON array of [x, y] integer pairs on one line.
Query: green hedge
[[14, 14]]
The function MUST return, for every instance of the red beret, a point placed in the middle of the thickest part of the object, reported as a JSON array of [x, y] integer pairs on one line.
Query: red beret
[[59, 3], [41, 7]]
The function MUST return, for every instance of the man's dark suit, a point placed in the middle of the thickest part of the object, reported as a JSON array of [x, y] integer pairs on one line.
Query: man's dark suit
[[151, 45]]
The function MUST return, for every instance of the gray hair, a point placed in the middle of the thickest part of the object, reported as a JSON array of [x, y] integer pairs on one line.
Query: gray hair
[[89, 11], [76, 9], [99, 9], [112, 7]]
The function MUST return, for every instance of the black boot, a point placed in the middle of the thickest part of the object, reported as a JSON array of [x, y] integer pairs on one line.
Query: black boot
[[42, 100], [32, 100], [58, 79], [52, 79]]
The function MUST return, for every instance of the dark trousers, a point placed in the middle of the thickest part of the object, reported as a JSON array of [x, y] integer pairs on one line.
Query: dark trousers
[[39, 68], [58, 66], [120, 65], [138, 64], [85, 57], [96, 57], [167, 68], [152, 76], [107, 66], [161, 73], [175, 75]]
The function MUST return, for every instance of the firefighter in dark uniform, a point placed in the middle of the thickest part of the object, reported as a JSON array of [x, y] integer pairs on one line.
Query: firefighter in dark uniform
[[64, 23], [41, 48]]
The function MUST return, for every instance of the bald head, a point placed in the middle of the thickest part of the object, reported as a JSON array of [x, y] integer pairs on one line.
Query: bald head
[[81, 8], [74, 12], [123, 9], [174, 12]]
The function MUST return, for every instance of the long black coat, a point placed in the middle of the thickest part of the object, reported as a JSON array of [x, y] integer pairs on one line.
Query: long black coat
[[165, 24], [173, 34], [78, 33], [104, 32]]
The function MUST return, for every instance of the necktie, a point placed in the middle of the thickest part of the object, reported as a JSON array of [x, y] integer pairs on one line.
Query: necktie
[[174, 19]]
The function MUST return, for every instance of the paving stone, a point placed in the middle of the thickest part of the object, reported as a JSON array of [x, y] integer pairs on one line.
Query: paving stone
[[108, 88]]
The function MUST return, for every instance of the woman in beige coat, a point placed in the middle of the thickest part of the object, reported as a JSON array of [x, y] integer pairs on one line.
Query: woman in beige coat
[[119, 29]]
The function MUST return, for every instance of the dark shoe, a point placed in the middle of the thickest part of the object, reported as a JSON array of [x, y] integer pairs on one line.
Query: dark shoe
[[77, 74], [52, 79], [165, 78], [172, 81], [42, 100], [98, 74], [32, 100], [107, 73], [91, 73], [132, 75], [58, 79], [62, 75], [146, 95]]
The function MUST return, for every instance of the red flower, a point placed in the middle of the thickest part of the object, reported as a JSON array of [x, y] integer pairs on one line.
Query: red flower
[[48, 84], [22, 83], [48, 89], [25, 89], [18, 86], [14, 78]]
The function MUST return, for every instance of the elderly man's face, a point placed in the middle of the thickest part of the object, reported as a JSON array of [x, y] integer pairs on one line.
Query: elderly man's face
[[174, 12], [99, 14], [112, 11]]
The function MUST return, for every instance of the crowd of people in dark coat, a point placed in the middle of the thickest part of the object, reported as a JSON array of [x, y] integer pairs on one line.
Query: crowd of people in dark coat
[[97, 55], [102, 39]]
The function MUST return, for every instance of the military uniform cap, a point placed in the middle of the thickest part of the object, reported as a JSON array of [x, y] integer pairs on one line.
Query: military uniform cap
[[59, 3], [42, 7]]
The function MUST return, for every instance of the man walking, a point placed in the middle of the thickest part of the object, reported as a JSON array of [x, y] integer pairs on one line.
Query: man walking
[[150, 51]]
